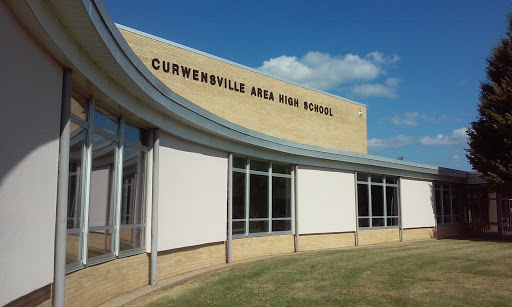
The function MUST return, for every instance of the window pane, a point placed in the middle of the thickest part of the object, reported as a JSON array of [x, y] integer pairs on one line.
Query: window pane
[[281, 168], [238, 195], [393, 221], [75, 176], [239, 162], [377, 178], [106, 121], [238, 228], [391, 201], [99, 243], [101, 196], [447, 209], [72, 248], [362, 199], [132, 193], [131, 238], [281, 226], [439, 210], [78, 108], [258, 226], [362, 177], [377, 200], [391, 180], [76, 129], [258, 196], [377, 222], [364, 222], [259, 166], [281, 197], [136, 135]]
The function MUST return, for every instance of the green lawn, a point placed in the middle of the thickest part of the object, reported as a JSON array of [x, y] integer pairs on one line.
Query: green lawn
[[445, 272]]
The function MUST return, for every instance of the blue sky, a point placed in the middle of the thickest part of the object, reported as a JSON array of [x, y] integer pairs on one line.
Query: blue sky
[[417, 65]]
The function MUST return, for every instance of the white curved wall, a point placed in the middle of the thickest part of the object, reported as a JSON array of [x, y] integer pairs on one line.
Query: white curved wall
[[417, 203], [326, 200], [30, 96], [192, 204]]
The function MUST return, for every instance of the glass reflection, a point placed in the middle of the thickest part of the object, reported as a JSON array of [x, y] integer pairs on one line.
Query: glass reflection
[[132, 192]]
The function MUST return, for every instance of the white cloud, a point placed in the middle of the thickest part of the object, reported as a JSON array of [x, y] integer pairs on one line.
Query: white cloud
[[392, 142], [412, 119], [324, 72], [386, 89], [408, 119], [455, 157], [458, 136]]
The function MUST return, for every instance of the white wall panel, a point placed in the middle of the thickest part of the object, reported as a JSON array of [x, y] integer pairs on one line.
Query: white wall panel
[[417, 203], [326, 200], [192, 205], [30, 97]]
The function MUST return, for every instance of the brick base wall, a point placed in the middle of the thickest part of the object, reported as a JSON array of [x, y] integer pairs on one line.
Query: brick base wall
[[178, 261], [310, 242], [246, 248], [412, 234], [97, 284], [449, 231], [379, 236]]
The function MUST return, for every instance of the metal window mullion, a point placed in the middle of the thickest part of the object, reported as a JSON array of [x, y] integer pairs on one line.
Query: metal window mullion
[[451, 203], [385, 203], [357, 210], [247, 191], [87, 182], [270, 198], [230, 210], [442, 203], [118, 187], [399, 205], [370, 200]]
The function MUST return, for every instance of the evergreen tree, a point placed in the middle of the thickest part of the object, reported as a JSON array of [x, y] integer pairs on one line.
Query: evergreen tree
[[490, 139]]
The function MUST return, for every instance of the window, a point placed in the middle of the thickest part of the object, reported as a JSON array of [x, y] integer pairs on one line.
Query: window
[[377, 201], [449, 203], [107, 163], [261, 197]]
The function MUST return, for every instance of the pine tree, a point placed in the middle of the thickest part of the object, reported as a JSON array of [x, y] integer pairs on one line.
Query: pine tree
[[490, 138]]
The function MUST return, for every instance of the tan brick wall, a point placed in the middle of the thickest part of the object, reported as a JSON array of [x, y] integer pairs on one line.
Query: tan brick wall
[[325, 241], [379, 236], [345, 130], [246, 248], [448, 231], [96, 284], [40, 297], [182, 260], [412, 234]]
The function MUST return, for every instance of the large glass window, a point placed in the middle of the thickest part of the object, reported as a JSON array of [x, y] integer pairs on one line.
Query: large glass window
[[377, 201], [106, 185], [261, 197], [449, 203]]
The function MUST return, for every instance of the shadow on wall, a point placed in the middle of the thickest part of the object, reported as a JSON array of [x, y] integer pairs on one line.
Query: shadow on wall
[[30, 98]]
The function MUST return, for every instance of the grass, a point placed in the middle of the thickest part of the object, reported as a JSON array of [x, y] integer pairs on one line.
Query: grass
[[441, 273]]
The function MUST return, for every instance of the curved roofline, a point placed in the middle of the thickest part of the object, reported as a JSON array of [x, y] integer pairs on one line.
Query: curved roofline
[[82, 35], [163, 40]]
